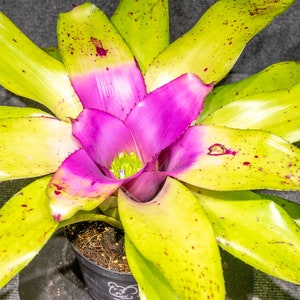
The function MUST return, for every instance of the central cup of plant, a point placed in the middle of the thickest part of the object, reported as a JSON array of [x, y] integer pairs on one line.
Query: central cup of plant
[[125, 165]]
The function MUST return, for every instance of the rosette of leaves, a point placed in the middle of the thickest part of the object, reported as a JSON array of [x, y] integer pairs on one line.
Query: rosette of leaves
[[139, 135]]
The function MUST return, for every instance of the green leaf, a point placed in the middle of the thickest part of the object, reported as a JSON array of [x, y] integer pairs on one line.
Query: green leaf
[[21, 112], [212, 46], [267, 100], [28, 71], [92, 215], [172, 236], [279, 76], [234, 159], [33, 146], [144, 25], [109, 207], [107, 212], [53, 51], [276, 111], [291, 207], [255, 230], [148, 274], [26, 226]]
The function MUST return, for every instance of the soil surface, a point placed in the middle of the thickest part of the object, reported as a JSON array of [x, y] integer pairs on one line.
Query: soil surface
[[100, 243]]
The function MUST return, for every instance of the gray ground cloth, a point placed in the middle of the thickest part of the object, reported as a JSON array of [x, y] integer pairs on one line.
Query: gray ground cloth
[[54, 273]]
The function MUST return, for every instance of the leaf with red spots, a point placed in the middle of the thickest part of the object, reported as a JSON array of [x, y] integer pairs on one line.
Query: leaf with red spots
[[101, 67], [279, 76], [26, 226], [255, 229], [144, 25], [212, 46], [178, 247], [221, 158], [276, 111]]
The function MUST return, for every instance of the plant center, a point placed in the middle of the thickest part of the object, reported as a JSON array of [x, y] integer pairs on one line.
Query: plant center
[[125, 165]]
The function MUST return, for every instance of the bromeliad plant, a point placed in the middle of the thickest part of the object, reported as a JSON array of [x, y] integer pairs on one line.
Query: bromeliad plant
[[126, 142]]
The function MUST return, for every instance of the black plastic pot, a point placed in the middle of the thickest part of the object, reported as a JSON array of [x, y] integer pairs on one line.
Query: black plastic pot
[[104, 284]]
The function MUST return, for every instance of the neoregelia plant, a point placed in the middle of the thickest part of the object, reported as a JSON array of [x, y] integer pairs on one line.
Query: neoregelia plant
[[126, 129]]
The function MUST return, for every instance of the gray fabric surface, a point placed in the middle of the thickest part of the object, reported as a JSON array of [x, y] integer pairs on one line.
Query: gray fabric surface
[[51, 276]]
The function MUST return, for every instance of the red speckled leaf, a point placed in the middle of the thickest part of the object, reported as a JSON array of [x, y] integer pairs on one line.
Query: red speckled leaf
[[171, 237], [101, 67], [144, 25], [26, 225], [255, 229], [212, 46], [221, 158]]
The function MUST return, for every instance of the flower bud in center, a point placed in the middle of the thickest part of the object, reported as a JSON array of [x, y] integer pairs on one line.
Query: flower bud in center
[[125, 165]]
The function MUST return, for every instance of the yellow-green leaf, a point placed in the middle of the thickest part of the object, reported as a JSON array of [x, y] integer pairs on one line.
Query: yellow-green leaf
[[256, 230], [88, 42], [144, 25], [279, 76], [26, 225], [28, 71], [21, 112], [151, 282], [291, 207], [221, 158], [172, 235], [274, 111], [213, 45], [33, 146]]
